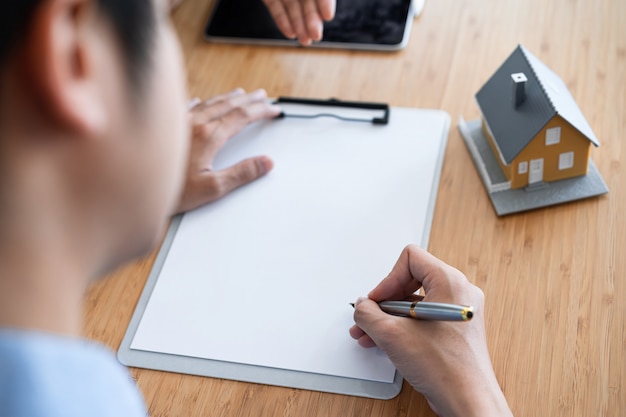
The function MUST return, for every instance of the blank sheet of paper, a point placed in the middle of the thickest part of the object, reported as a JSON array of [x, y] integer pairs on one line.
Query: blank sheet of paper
[[264, 276]]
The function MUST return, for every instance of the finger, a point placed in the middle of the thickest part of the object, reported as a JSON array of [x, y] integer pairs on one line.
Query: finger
[[401, 282], [356, 332], [234, 93], [211, 108], [214, 125], [418, 268], [240, 174], [281, 17], [211, 186], [296, 16], [193, 103], [361, 337], [239, 117], [209, 138], [377, 325], [312, 19], [237, 103], [326, 9]]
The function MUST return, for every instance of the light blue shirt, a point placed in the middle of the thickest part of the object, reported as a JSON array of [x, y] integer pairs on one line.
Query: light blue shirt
[[54, 376]]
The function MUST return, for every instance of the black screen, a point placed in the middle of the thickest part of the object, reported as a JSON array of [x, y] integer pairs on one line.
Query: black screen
[[379, 22]]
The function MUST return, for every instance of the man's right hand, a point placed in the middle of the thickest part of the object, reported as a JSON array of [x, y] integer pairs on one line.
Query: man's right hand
[[448, 362]]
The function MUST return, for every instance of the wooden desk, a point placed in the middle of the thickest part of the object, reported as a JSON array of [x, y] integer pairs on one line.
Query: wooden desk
[[555, 279]]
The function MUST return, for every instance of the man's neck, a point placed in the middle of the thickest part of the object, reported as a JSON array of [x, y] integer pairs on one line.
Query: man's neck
[[43, 275], [38, 292]]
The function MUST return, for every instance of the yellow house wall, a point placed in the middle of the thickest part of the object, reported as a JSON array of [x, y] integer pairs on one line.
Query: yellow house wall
[[571, 140]]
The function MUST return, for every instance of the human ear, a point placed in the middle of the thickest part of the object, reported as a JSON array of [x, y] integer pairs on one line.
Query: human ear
[[58, 66]]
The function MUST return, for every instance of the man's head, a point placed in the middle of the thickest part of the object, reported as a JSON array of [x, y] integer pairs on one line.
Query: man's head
[[93, 134], [133, 20]]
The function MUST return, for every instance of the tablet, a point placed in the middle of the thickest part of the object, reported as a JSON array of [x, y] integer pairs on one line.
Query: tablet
[[379, 25]]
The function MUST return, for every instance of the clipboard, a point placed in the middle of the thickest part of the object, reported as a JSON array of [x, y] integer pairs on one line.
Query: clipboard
[[256, 286]]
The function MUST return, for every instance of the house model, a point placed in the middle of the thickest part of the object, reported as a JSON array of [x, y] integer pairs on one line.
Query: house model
[[532, 122], [531, 135]]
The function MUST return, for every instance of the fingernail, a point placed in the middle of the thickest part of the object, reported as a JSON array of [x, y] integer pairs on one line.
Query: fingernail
[[193, 102], [264, 164], [260, 93], [275, 109]]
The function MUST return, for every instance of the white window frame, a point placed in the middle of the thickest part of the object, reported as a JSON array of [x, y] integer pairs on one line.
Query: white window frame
[[553, 136], [566, 160], [522, 167]]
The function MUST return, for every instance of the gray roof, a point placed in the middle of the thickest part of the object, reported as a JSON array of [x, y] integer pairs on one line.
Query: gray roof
[[546, 95]]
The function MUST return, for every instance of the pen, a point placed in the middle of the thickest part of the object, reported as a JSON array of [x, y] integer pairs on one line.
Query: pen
[[425, 310]]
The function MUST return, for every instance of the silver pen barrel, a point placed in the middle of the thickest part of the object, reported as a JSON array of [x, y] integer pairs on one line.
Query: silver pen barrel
[[425, 310]]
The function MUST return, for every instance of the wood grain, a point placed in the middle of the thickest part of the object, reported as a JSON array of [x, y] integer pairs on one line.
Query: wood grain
[[555, 279]]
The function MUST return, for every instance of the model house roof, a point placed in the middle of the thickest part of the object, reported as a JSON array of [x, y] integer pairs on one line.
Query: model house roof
[[541, 94]]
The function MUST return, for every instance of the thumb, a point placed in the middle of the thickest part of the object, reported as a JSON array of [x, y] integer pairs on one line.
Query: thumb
[[242, 173]]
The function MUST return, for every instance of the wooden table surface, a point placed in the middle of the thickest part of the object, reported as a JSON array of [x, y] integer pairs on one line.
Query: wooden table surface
[[554, 279]]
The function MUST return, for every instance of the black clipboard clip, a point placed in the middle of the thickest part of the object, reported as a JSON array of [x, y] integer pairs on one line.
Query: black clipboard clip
[[333, 102]]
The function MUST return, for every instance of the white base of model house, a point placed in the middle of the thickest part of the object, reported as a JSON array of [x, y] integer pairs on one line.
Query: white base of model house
[[507, 201]]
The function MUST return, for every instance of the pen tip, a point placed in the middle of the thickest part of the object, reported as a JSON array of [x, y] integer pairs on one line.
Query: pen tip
[[352, 304]]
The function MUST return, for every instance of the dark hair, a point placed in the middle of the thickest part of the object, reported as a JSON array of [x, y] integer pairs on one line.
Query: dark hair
[[133, 21]]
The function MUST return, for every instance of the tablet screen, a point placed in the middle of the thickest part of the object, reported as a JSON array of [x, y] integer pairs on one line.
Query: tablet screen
[[359, 24]]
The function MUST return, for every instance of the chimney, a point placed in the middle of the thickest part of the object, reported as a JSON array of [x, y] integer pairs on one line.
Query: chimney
[[519, 88]]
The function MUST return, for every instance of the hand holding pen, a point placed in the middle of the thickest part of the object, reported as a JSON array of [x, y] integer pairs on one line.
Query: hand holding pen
[[446, 361]]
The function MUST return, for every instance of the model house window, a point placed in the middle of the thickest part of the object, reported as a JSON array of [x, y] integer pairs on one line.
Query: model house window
[[522, 167], [566, 160], [553, 136]]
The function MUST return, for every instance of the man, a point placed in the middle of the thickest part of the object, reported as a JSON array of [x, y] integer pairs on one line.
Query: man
[[95, 157]]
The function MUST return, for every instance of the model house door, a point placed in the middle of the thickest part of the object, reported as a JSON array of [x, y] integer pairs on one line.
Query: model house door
[[536, 171]]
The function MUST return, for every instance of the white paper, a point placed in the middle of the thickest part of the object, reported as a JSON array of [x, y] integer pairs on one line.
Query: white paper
[[265, 275]]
